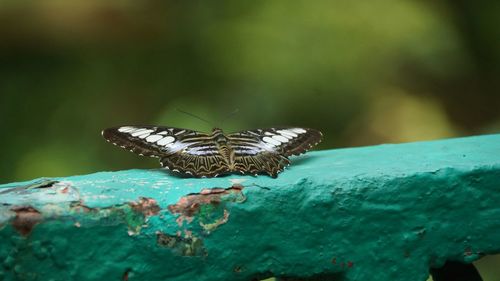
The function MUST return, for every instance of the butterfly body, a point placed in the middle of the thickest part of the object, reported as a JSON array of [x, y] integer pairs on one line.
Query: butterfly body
[[208, 155]]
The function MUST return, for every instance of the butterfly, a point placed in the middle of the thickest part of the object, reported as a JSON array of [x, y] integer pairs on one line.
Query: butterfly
[[259, 151]]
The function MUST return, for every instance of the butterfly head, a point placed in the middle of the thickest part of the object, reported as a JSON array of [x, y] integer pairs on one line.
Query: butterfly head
[[217, 131]]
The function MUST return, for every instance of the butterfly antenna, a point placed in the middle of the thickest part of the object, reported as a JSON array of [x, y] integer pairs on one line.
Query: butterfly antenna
[[197, 117], [230, 115]]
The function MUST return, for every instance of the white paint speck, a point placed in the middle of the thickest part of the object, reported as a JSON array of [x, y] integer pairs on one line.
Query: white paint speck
[[237, 181]]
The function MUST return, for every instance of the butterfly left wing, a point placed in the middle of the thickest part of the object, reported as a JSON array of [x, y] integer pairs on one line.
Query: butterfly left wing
[[180, 150], [267, 150]]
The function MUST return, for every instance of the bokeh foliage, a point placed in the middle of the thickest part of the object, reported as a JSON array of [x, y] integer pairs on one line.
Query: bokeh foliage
[[362, 72]]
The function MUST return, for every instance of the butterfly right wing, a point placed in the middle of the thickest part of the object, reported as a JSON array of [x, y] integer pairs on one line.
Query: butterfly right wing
[[252, 156], [267, 150], [179, 150]]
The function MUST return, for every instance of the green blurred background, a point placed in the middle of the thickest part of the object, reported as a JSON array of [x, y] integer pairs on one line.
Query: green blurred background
[[362, 72]]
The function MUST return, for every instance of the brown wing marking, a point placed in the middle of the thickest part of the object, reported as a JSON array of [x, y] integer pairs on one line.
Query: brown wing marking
[[206, 166], [268, 163]]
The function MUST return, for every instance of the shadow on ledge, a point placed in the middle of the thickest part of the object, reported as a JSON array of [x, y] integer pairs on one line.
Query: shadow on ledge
[[317, 277], [456, 271]]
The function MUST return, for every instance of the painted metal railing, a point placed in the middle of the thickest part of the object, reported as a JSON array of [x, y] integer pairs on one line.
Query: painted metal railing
[[388, 212]]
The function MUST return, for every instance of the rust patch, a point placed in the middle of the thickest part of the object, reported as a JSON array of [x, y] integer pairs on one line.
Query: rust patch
[[146, 206], [26, 219], [342, 264], [126, 274], [185, 246]]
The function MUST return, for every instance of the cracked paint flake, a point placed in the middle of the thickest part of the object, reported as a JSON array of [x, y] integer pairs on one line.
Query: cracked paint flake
[[208, 206], [212, 226], [135, 214], [147, 206]]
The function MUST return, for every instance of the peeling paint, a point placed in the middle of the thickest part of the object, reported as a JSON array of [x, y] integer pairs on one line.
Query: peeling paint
[[211, 226], [147, 206], [190, 204], [208, 206], [43, 192], [43, 183], [135, 214]]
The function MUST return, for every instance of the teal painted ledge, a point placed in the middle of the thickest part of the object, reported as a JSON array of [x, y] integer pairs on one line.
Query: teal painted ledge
[[387, 212]]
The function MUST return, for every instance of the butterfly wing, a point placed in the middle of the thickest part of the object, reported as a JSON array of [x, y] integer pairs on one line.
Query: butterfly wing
[[179, 150], [267, 150]]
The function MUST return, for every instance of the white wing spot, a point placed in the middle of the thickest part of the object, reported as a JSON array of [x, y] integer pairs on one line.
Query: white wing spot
[[269, 134], [163, 133], [166, 140], [143, 136], [153, 138], [298, 130], [271, 141], [125, 129], [280, 138], [287, 133], [140, 132]]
